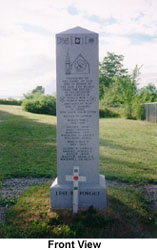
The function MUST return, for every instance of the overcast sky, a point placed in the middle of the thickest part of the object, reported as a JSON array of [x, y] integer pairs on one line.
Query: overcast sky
[[28, 28]]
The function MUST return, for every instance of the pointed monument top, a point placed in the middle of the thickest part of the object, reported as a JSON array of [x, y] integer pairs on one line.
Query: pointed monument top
[[77, 30]]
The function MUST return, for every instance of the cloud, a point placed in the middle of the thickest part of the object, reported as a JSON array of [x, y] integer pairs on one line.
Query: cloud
[[27, 37], [73, 10]]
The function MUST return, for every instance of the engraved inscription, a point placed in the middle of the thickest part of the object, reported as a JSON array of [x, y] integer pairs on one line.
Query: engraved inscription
[[61, 40], [77, 112], [81, 193]]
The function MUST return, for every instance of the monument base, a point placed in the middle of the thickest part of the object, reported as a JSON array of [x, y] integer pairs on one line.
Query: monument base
[[89, 195]]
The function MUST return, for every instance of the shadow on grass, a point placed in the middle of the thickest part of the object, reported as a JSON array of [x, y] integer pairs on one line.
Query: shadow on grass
[[27, 147], [125, 165], [126, 171], [111, 144]]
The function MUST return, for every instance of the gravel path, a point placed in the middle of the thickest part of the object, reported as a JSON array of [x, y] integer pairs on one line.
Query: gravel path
[[14, 187], [123, 184]]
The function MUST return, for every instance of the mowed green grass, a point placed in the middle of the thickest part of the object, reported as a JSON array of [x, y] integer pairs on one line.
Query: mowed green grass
[[127, 153], [128, 148], [27, 143]]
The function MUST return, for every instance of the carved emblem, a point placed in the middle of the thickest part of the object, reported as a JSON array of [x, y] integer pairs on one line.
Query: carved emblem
[[78, 66]]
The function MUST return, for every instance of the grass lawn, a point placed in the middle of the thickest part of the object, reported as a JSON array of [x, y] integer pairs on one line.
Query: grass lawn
[[128, 150], [27, 143], [127, 154], [28, 147]]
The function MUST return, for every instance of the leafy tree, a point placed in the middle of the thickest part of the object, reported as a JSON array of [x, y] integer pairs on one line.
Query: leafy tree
[[39, 90], [122, 91], [119, 88], [110, 67], [135, 75], [126, 90], [148, 93]]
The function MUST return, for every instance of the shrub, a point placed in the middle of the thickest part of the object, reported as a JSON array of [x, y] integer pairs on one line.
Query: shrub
[[138, 111], [107, 113], [43, 104], [133, 111], [126, 111]]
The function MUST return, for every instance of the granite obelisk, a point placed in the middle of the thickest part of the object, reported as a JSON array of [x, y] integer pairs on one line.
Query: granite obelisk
[[78, 120]]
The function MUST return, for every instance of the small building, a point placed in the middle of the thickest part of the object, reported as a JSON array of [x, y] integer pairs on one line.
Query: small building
[[151, 112]]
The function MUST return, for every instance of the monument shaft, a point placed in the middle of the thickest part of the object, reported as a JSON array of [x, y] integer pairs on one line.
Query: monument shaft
[[78, 118], [78, 105]]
